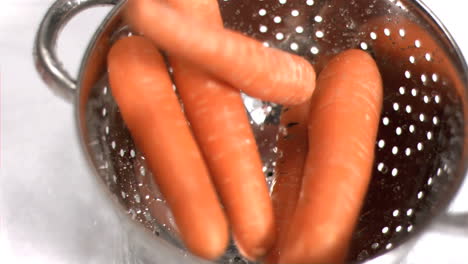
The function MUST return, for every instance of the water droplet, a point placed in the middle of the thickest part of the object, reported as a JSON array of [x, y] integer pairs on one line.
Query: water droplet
[[137, 198]]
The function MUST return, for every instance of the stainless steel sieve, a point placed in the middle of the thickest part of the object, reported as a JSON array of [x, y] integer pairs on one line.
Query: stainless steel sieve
[[421, 146]]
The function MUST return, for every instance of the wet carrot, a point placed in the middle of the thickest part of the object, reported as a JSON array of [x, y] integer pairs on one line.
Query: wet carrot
[[343, 125], [265, 73], [289, 170], [219, 121], [143, 91]]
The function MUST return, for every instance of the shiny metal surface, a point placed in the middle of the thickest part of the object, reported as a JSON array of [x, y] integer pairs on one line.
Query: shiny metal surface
[[122, 248], [48, 65], [411, 183], [122, 169]]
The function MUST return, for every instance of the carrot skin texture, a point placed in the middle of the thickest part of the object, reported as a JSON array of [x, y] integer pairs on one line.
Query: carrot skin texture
[[344, 118], [289, 170], [219, 121], [143, 91], [265, 73]]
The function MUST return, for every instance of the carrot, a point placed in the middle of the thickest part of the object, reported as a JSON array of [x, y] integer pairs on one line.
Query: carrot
[[220, 124], [150, 196], [143, 91], [264, 73], [289, 170], [343, 125]]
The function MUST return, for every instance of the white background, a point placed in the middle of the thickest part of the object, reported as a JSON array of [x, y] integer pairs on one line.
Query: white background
[[49, 208]]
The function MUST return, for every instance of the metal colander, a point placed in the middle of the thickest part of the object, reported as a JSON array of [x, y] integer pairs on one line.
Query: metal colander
[[420, 149]]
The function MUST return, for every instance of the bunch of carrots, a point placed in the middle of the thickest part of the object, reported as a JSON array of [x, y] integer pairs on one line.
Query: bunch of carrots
[[204, 156]]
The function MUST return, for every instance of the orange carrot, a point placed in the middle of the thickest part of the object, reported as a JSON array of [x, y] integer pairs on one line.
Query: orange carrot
[[289, 170], [220, 124], [343, 125], [150, 196], [143, 91], [265, 73]]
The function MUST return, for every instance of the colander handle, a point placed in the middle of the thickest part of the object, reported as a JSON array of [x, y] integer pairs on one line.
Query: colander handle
[[49, 67]]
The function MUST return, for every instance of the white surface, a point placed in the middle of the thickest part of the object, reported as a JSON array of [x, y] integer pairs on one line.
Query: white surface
[[41, 165], [56, 216]]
